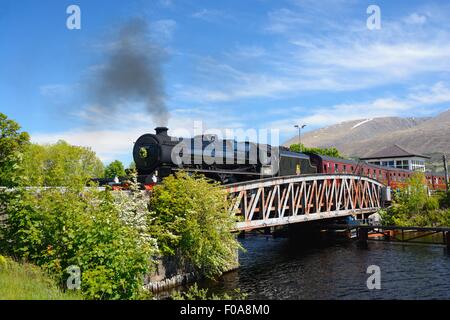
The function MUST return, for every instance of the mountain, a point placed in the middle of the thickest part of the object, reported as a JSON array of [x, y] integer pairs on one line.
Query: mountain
[[358, 138]]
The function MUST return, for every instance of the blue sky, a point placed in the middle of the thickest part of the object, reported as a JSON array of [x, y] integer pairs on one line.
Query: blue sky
[[231, 64]]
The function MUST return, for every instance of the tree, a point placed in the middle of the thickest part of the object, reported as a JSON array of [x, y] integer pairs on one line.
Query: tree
[[115, 169], [412, 206], [60, 164], [132, 166], [331, 152], [12, 144], [190, 216]]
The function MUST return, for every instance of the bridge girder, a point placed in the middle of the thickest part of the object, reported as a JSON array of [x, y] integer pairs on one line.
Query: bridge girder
[[294, 199]]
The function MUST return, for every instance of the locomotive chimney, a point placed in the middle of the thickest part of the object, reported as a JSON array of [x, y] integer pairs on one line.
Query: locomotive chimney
[[161, 131]]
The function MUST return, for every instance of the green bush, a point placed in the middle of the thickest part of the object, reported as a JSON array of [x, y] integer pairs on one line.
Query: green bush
[[12, 144], [56, 229], [413, 206], [444, 199], [195, 293], [331, 152], [115, 169], [59, 164], [189, 214]]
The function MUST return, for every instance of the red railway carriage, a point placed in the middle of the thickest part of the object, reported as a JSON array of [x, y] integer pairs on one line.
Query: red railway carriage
[[393, 177], [436, 181]]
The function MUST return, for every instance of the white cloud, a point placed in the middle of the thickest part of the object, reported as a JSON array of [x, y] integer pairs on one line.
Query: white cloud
[[248, 52], [438, 93], [415, 18], [55, 90], [283, 20], [313, 51], [108, 144], [164, 28], [419, 99], [210, 15]]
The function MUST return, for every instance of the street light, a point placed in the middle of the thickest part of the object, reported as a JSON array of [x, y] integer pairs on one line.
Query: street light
[[300, 127]]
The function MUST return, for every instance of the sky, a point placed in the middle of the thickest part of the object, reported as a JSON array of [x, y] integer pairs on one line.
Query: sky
[[236, 64]]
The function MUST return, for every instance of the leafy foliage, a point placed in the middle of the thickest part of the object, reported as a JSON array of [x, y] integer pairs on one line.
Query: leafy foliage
[[115, 169], [56, 229], [190, 215], [444, 199], [12, 144], [412, 206], [331, 152], [60, 164], [195, 293]]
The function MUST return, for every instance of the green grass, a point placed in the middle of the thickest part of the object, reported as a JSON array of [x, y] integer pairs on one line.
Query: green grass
[[24, 281]]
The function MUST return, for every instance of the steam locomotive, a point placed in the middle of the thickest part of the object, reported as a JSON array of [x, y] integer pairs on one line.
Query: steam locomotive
[[159, 155]]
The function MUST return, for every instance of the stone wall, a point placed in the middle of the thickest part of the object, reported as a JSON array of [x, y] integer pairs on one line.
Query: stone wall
[[172, 272]]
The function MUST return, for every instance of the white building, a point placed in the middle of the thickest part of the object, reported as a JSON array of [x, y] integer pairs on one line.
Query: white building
[[397, 157]]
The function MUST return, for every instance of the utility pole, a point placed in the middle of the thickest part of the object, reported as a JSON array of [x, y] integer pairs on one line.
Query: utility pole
[[300, 127], [444, 157]]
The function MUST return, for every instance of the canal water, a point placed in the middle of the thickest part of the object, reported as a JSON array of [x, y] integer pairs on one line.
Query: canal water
[[278, 268]]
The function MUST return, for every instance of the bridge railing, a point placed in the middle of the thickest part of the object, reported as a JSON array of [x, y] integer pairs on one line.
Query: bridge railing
[[285, 200]]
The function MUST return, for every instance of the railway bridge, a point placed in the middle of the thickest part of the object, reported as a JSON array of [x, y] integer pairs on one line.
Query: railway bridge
[[294, 199]]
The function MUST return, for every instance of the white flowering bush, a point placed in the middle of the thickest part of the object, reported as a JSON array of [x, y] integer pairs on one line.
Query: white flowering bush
[[133, 210]]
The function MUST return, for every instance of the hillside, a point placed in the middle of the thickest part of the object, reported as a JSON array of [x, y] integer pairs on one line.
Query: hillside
[[430, 136]]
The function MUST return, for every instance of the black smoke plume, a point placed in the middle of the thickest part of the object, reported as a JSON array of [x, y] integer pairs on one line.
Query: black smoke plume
[[132, 72]]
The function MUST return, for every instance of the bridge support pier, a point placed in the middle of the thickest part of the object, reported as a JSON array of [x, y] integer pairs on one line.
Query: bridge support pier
[[363, 237], [304, 234], [447, 240]]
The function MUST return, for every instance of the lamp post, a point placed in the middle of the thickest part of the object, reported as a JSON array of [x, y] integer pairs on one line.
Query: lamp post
[[300, 127], [444, 158]]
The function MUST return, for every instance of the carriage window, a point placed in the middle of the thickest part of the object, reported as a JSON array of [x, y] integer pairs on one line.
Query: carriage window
[[336, 168]]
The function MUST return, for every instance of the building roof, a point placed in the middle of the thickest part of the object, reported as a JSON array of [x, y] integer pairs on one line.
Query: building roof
[[394, 151]]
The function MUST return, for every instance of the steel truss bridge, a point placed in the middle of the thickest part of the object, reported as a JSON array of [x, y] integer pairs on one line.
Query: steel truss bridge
[[293, 199]]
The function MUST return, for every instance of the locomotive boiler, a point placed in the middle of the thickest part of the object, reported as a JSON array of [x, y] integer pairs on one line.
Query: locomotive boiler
[[158, 155]]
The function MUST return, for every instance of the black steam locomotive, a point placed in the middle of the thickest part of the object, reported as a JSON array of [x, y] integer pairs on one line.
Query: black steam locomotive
[[158, 155]]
